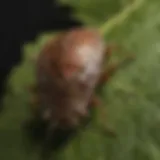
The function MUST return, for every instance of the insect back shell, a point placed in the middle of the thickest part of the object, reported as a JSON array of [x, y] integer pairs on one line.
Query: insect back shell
[[68, 70]]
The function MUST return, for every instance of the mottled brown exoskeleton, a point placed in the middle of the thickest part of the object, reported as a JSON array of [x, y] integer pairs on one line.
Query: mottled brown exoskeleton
[[68, 69]]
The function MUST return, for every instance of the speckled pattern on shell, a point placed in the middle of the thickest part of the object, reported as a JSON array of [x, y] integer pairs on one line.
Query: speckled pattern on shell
[[67, 101]]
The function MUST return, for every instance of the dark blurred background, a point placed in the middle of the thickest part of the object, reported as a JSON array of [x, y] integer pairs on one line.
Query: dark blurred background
[[22, 21]]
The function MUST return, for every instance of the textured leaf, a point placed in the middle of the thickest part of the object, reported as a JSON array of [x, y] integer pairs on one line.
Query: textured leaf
[[131, 98]]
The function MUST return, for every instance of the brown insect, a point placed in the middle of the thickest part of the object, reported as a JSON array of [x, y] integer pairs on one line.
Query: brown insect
[[69, 69]]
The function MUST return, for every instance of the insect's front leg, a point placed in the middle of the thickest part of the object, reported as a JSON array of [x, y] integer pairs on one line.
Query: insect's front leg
[[110, 70], [114, 47]]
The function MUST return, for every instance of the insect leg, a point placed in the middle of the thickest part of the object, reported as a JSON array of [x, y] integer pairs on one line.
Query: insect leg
[[34, 104], [114, 47], [106, 131], [95, 101], [32, 88], [102, 125], [103, 128], [110, 71], [109, 50], [34, 100]]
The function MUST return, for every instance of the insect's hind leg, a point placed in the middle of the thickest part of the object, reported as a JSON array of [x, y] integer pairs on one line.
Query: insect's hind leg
[[94, 102]]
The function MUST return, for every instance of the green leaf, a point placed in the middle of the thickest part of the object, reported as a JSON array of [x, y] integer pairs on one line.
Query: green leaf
[[131, 98]]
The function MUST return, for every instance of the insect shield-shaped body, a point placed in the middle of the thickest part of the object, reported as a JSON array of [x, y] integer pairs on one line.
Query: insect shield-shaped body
[[68, 70]]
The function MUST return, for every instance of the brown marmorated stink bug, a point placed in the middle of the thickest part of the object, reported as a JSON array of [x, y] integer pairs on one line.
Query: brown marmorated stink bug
[[68, 70]]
